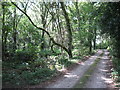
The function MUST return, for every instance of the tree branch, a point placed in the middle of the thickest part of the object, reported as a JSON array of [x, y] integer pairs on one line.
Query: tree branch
[[31, 20], [41, 29]]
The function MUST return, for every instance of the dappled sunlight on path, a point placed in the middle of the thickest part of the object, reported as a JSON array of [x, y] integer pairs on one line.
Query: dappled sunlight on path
[[99, 77], [71, 77]]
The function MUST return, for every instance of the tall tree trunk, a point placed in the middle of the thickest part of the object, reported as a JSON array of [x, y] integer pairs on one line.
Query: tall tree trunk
[[78, 15], [44, 24], [90, 47], [43, 33], [14, 31], [68, 30], [3, 32], [78, 19], [90, 38], [43, 41], [94, 40], [60, 30]]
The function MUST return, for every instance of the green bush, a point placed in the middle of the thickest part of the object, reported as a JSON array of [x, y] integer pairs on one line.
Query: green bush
[[25, 55], [39, 63], [102, 45], [38, 76], [27, 77], [64, 62], [116, 70], [45, 53]]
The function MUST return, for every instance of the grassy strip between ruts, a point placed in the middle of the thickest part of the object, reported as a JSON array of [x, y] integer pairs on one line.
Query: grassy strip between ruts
[[87, 74]]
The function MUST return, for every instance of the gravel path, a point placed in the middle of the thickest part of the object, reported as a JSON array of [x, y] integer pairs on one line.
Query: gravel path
[[70, 78], [99, 77]]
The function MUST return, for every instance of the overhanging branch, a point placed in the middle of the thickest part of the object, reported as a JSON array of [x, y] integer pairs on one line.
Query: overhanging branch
[[41, 28]]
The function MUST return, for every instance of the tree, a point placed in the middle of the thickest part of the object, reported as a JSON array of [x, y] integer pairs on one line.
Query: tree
[[110, 24], [3, 30], [52, 39], [68, 29]]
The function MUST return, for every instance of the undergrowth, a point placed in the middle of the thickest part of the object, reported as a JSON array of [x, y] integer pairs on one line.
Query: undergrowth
[[116, 71], [116, 68], [32, 72], [25, 74]]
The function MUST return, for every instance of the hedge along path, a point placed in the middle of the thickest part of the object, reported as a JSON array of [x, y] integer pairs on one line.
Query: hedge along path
[[69, 79]]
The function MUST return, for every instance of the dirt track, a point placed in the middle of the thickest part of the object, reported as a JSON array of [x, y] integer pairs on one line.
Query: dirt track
[[70, 78], [99, 78]]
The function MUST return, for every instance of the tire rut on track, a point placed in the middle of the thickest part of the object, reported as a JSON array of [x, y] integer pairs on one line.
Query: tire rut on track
[[99, 78]]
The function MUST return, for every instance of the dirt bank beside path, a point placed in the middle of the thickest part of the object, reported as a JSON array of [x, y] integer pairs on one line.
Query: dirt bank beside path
[[71, 77]]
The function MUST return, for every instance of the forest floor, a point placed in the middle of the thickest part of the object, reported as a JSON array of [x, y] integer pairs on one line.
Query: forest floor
[[100, 77]]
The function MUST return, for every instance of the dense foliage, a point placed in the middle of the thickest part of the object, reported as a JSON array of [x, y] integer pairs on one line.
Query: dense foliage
[[40, 38], [110, 25]]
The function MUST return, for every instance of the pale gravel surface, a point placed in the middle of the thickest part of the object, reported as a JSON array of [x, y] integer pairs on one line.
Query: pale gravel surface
[[99, 77], [70, 78]]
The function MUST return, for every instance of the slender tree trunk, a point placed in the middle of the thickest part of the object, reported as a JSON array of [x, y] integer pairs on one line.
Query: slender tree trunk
[[14, 31], [90, 47], [60, 31], [43, 34], [43, 41], [90, 38], [43, 16], [78, 17], [90, 44], [68, 30], [3, 32], [94, 40]]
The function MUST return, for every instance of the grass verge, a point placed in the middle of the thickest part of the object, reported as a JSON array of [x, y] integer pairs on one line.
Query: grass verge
[[87, 74]]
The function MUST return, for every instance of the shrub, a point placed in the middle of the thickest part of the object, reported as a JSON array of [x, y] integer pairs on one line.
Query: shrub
[[45, 53], [25, 55], [64, 62], [27, 77]]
